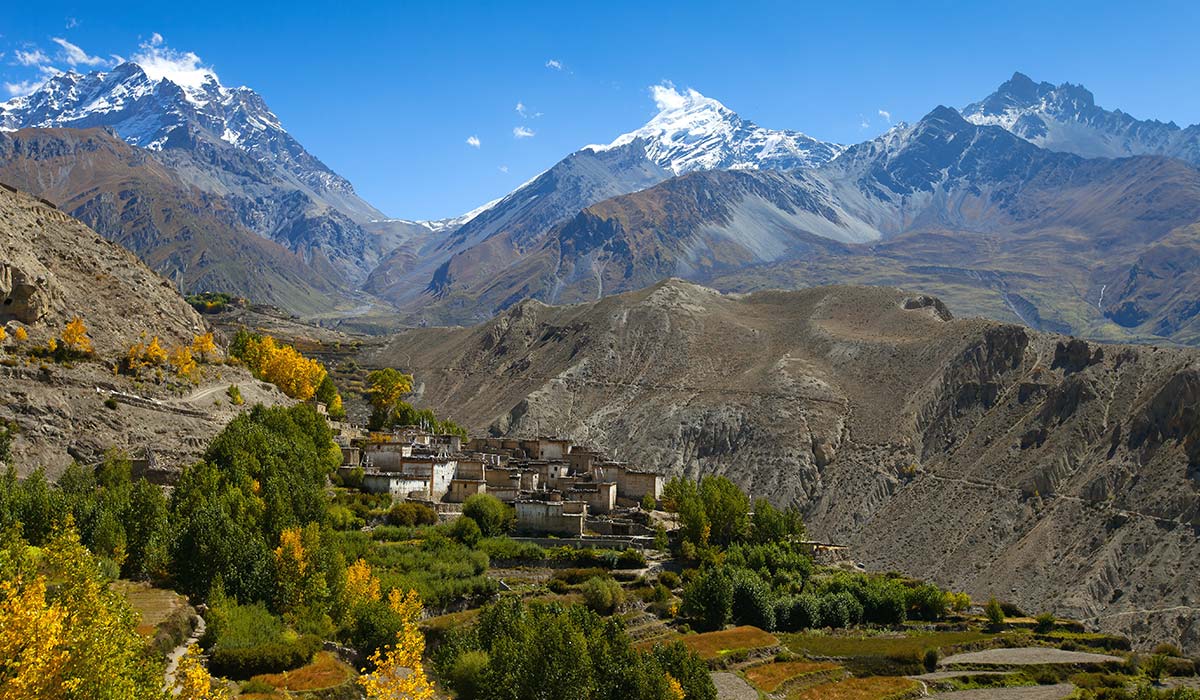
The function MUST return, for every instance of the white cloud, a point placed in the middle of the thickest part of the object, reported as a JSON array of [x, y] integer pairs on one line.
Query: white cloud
[[887, 116], [554, 64], [473, 141], [504, 169], [863, 123], [72, 23], [31, 58], [23, 88], [76, 56], [667, 97], [521, 109], [183, 68], [522, 132]]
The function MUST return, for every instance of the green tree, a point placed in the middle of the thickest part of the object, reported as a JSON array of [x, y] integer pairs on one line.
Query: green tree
[[769, 524], [493, 516], [708, 598]]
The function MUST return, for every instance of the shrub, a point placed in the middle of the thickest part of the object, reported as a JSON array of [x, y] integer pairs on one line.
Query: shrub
[[752, 601], [1155, 666], [110, 403], [603, 594], [352, 478], [670, 579], [372, 625], [931, 659], [1011, 610], [1045, 622], [1167, 650], [257, 685], [466, 531], [648, 502], [411, 514], [994, 613], [557, 585], [630, 559], [235, 395], [493, 517], [469, 674], [508, 548], [926, 602], [575, 576], [274, 657]]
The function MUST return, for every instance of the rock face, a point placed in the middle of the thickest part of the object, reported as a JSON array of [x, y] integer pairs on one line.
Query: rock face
[[1045, 470]]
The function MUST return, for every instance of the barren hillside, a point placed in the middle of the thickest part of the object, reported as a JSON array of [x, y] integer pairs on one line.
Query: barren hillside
[[53, 268], [1045, 470]]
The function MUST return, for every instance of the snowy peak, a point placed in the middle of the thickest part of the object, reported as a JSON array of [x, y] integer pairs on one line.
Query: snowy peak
[[1066, 118], [156, 107], [694, 132]]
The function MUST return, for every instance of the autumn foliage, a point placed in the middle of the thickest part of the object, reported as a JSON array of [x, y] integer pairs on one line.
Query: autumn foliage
[[75, 337], [280, 364], [399, 672]]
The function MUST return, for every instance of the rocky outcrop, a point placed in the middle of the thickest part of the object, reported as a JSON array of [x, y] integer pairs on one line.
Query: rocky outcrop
[[23, 297]]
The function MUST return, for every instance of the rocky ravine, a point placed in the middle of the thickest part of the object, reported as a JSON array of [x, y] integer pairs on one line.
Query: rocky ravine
[[1045, 470]]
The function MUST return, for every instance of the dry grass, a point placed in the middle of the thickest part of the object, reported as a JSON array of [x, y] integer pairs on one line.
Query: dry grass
[[711, 645], [153, 604], [324, 672], [847, 645], [874, 688], [769, 677]]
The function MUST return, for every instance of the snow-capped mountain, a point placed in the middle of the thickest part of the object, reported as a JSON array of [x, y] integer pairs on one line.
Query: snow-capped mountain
[[694, 132], [224, 142], [1066, 118], [156, 114]]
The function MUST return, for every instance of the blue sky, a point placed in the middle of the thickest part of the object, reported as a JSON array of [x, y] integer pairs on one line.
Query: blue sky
[[388, 96]]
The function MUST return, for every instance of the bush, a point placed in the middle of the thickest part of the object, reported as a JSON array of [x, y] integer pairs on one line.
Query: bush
[[557, 585], [931, 660], [752, 601], [631, 559], [508, 548], [411, 515], [466, 531], [372, 625], [1011, 610], [110, 403], [994, 612], [575, 576], [603, 594], [1155, 666], [1045, 622], [257, 685], [469, 674], [265, 658], [648, 503], [926, 602], [493, 517], [1168, 650], [670, 579]]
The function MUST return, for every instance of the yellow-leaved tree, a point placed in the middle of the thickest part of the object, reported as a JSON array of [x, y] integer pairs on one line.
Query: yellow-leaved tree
[[181, 359], [399, 671], [75, 337], [33, 656], [21, 335], [3, 334], [192, 680], [362, 584], [204, 346], [75, 640]]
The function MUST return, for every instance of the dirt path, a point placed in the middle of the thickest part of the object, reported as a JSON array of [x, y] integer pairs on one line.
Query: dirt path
[[177, 653], [1031, 692], [1027, 656], [731, 686]]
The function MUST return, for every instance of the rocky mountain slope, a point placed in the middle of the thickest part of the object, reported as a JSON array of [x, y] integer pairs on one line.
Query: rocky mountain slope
[[53, 268], [997, 225], [1074, 468], [194, 238], [224, 142], [1066, 118]]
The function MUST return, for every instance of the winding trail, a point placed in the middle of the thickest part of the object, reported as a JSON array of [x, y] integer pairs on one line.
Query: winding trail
[[177, 653]]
